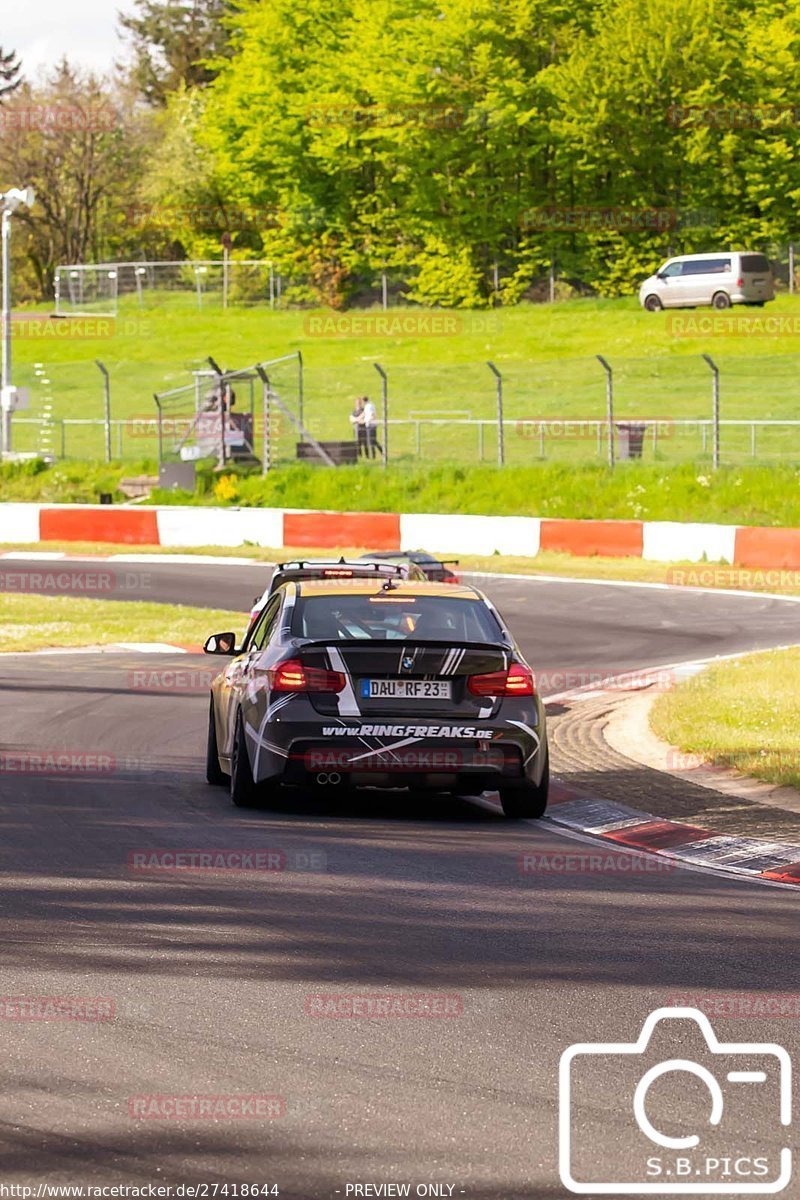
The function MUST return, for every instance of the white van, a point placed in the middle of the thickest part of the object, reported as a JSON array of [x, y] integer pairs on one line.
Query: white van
[[736, 277]]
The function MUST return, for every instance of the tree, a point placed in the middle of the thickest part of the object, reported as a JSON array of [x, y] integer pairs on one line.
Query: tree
[[10, 67], [68, 141], [175, 42]]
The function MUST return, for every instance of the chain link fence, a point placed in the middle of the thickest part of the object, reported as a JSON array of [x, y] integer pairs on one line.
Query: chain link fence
[[662, 410], [107, 289]]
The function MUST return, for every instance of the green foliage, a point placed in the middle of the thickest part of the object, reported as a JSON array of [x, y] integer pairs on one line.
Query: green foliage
[[174, 43], [412, 136], [734, 495]]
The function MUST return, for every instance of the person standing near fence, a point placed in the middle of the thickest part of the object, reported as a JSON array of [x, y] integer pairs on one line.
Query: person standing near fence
[[371, 427], [359, 426]]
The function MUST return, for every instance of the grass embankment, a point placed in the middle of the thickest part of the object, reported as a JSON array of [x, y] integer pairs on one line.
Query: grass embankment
[[639, 491], [30, 622], [743, 714], [547, 354]]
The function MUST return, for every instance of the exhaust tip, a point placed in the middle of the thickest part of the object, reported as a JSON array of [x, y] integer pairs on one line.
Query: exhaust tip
[[321, 779]]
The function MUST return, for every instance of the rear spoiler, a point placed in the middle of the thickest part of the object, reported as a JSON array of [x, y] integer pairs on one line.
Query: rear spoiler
[[405, 644], [359, 568]]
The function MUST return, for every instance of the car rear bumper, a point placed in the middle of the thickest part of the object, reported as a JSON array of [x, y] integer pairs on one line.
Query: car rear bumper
[[300, 755]]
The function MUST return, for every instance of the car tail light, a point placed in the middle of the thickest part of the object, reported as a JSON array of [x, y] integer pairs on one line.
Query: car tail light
[[337, 573], [740, 283], [294, 676], [518, 680]]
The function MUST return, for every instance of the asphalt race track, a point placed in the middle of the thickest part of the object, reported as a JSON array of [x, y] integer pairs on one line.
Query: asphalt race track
[[209, 979]]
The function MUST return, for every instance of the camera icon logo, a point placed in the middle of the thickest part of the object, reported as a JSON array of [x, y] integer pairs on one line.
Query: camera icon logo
[[695, 1128]]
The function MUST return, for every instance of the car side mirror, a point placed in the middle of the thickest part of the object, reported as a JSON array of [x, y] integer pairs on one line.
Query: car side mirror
[[221, 643]]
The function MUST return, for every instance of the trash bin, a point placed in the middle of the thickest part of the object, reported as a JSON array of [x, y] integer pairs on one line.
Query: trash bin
[[174, 475], [630, 440]]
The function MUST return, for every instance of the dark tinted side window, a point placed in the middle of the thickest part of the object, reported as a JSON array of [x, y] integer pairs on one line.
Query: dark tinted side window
[[757, 263], [707, 266], [265, 625]]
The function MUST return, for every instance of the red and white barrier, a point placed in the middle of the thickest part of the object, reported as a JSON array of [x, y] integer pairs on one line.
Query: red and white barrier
[[659, 541]]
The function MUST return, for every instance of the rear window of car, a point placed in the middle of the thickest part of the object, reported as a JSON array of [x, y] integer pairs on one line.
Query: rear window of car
[[706, 266], [757, 263], [387, 617]]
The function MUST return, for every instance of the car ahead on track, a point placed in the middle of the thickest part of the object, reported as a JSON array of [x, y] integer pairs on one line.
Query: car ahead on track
[[436, 569], [378, 683], [330, 568]]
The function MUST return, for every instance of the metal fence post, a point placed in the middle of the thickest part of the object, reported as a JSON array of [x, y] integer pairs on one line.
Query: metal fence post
[[385, 410], [222, 402], [714, 409], [160, 432], [300, 388], [791, 266], [266, 392], [107, 388], [501, 448], [609, 407]]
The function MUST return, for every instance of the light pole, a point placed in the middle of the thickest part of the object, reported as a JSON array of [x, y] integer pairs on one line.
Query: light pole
[[9, 202]]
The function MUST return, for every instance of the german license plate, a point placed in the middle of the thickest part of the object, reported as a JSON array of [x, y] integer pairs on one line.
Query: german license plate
[[406, 689]]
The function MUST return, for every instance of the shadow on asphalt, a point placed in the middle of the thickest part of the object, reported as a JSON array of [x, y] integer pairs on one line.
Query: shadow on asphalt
[[429, 890]]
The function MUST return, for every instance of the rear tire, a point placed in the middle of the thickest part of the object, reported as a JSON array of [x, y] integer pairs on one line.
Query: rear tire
[[653, 304], [244, 793], [721, 300], [214, 773], [530, 800]]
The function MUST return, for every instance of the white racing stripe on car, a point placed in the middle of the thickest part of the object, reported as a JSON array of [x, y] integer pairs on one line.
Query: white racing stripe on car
[[386, 749], [452, 662], [259, 739], [348, 705], [536, 737]]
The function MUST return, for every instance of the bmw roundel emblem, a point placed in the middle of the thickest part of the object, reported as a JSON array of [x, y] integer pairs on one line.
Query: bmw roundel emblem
[[408, 662]]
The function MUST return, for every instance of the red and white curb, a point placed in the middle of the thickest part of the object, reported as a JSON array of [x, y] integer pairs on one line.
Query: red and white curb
[[451, 533], [675, 840], [692, 845]]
